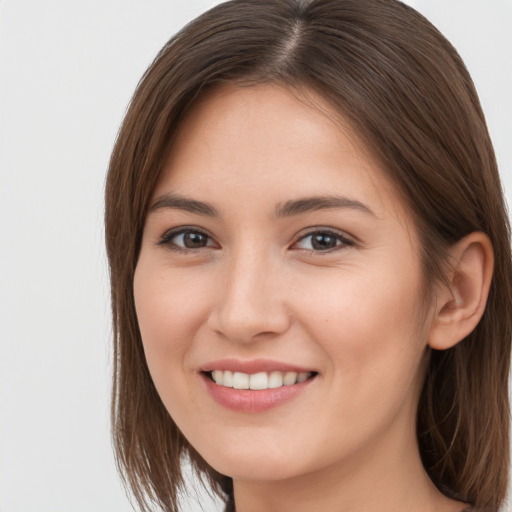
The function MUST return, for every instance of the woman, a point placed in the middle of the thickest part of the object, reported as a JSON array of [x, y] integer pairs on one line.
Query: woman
[[310, 266]]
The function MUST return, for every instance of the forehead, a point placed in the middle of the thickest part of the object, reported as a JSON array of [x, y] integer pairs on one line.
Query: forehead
[[274, 140]]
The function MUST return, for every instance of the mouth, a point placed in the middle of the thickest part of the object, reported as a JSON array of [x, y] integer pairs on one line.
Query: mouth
[[257, 385], [258, 381], [256, 392]]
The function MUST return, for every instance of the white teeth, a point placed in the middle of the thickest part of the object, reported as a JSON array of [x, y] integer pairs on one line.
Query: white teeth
[[258, 381], [218, 376], [275, 380], [290, 378], [228, 379], [240, 380]]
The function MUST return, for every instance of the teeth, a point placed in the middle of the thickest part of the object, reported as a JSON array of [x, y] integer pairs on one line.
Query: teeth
[[290, 378], [301, 377], [240, 380], [258, 381], [275, 380], [228, 379], [218, 376]]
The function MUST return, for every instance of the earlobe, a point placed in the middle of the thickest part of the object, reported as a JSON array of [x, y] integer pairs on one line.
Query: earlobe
[[461, 305]]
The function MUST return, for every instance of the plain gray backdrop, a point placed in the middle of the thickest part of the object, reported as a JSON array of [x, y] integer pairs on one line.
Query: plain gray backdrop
[[67, 72]]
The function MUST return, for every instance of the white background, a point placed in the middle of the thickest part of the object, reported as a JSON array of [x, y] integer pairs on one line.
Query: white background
[[67, 72]]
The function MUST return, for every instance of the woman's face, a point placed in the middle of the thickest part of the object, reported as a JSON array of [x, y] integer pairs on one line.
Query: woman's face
[[277, 251]]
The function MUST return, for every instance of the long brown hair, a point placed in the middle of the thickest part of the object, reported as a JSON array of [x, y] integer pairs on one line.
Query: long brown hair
[[408, 96]]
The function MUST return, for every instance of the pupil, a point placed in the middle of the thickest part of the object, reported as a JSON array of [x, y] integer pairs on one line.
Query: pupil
[[194, 240], [323, 241]]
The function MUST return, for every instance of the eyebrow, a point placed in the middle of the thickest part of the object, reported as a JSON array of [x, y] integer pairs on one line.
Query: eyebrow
[[307, 204], [286, 209], [179, 202]]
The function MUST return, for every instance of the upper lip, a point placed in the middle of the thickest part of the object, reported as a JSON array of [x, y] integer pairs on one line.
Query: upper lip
[[252, 366]]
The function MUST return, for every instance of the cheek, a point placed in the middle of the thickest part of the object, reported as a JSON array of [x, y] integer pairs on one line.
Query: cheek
[[368, 328], [169, 308], [169, 311], [366, 319]]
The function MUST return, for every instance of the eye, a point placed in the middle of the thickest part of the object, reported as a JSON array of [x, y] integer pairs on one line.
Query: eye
[[186, 239], [322, 241]]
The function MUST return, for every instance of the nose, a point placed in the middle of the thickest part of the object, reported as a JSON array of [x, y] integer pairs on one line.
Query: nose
[[251, 302]]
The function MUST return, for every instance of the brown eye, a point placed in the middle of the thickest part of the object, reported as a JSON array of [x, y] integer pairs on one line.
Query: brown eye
[[322, 241], [186, 239], [194, 239]]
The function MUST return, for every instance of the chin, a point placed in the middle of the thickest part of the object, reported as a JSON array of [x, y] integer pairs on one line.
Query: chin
[[255, 471], [252, 462]]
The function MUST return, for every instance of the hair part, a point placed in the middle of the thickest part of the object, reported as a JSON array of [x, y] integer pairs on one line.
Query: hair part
[[407, 95]]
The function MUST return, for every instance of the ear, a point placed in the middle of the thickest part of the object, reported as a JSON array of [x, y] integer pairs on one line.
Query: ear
[[460, 306]]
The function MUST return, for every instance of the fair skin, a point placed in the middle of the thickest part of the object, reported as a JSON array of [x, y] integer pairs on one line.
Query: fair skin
[[333, 288]]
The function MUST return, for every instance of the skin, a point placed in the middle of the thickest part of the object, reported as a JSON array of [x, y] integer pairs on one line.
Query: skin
[[259, 288]]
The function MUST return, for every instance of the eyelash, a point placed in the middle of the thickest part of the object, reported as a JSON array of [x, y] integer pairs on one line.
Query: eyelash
[[167, 238], [341, 238]]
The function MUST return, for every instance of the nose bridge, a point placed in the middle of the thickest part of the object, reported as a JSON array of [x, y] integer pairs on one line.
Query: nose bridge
[[251, 300]]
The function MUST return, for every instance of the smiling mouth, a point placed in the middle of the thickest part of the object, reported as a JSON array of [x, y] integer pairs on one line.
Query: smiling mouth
[[258, 381]]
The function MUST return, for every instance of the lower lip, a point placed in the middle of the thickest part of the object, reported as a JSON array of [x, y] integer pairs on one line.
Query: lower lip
[[247, 400]]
